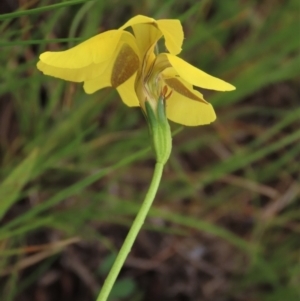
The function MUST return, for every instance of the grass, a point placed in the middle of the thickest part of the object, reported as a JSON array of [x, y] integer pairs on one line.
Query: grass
[[75, 167]]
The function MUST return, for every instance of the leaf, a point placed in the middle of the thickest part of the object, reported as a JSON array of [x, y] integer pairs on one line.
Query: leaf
[[11, 188]]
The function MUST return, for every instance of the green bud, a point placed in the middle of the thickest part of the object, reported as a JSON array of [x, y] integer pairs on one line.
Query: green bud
[[159, 130]]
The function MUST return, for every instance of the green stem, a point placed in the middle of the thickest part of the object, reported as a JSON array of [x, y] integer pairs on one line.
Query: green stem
[[132, 234]]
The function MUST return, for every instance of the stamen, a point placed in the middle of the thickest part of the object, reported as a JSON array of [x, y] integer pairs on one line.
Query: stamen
[[165, 91]]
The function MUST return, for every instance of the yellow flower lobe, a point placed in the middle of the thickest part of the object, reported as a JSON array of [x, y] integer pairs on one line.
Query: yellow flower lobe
[[126, 63], [179, 87]]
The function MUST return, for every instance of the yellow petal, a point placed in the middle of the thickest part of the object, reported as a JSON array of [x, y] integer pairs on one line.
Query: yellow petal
[[127, 92], [139, 19], [84, 61], [146, 36], [195, 76], [188, 112], [171, 30], [122, 65], [183, 89], [125, 65], [66, 74], [93, 51], [89, 59], [100, 82], [173, 33], [181, 86], [119, 61], [74, 75]]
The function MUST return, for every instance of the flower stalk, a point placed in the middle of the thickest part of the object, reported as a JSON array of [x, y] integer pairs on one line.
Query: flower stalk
[[161, 137], [132, 234]]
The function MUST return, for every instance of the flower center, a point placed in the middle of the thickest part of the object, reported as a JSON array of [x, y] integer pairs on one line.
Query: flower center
[[153, 82]]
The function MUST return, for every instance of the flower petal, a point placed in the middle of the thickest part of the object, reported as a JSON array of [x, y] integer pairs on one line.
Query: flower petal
[[178, 84], [125, 65], [74, 75], [89, 59], [97, 83], [181, 88], [127, 92], [173, 33], [171, 30], [122, 65], [92, 51], [139, 19], [195, 76], [66, 74], [183, 110], [146, 35]]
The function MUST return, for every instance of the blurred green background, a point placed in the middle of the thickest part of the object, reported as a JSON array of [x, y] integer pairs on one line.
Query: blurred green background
[[74, 168]]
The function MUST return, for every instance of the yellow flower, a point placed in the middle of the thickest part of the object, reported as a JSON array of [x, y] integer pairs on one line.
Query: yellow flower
[[130, 63]]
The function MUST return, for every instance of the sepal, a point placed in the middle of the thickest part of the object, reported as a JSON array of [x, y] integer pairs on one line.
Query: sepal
[[159, 130]]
